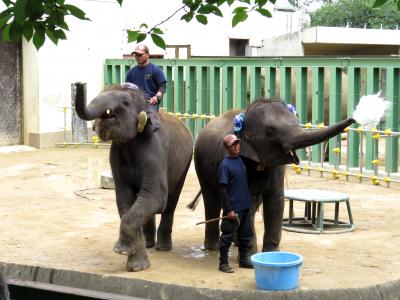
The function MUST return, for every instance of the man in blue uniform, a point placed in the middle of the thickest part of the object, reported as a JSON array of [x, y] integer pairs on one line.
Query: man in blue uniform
[[236, 204], [150, 79]]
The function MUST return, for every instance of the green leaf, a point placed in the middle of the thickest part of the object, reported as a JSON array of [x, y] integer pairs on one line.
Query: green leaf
[[27, 30], [38, 39], [132, 35], [187, 17], [245, 1], [120, 2], [6, 33], [19, 10], [202, 19], [205, 9], [15, 32], [60, 2], [239, 17], [398, 4], [60, 34], [158, 31], [34, 8], [261, 3], [158, 40], [141, 37], [220, 2], [379, 3], [64, 26], [264, 12], [75, 11], [217, 12], [39, 27], [143, 25], [230, 2], [52, 37], [4, 20], [239, 9]]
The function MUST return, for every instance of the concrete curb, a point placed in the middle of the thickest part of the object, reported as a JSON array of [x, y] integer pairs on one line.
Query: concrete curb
[[155, 290]]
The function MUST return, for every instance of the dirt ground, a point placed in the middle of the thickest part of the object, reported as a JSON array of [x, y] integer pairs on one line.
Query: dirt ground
[[53, 214]]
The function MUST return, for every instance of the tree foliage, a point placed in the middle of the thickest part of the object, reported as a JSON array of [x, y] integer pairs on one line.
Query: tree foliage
[[40, 19], [357, 14]]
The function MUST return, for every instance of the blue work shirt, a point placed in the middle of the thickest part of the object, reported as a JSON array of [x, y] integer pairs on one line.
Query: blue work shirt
[[148, 79], [232, 173]]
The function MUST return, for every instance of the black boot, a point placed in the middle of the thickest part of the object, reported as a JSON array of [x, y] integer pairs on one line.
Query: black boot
[[224, 266], [244, 260]]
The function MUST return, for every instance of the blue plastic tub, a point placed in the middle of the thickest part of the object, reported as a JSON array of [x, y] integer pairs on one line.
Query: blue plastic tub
[[277, 271]]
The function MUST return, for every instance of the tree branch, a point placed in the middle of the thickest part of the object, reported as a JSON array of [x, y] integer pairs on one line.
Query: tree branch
[[162, 22]]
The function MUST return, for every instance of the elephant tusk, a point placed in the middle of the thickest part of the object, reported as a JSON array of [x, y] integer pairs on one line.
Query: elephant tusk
[[142, 119], [291, 153], [108, 111]]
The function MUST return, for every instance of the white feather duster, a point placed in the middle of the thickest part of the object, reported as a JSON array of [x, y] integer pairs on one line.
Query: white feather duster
[[370, 110]]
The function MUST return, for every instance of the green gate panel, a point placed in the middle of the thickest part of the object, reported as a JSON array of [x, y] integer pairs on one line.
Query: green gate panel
[[227, 88], [301, 101], [179, 90], [241, 87], [286, 84], [317, 106], [353, 97], [335, 110], [169, 95], [191, 95], [392, 119], [203, 96], [255, 83], [372, 88], [215, 91], [270, 82]]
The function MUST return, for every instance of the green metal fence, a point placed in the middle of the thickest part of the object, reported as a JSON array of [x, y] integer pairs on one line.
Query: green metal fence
[[323, 89]]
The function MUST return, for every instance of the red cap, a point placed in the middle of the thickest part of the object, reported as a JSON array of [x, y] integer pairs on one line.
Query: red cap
[[230, 139]]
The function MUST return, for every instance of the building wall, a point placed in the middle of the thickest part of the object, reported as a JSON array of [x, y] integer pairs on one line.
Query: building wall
[[49, 72]]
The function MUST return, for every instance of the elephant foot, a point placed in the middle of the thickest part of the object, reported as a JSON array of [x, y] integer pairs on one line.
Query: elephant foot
[[136, 263], [150, 243], [269, 248], [124, 247], [211, 245], [164, 245]]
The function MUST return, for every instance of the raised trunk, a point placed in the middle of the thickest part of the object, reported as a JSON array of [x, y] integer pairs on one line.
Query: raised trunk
[[97, 107], [305, 138]]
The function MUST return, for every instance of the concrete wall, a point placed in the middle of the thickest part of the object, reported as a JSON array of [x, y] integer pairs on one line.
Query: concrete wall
[[322, 40]]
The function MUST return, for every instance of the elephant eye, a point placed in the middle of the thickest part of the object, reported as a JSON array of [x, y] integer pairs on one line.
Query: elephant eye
[[126, 103], [269, 131]]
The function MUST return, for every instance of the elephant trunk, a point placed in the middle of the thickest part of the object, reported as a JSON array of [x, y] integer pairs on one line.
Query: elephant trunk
[[306, 138], [97, 107]]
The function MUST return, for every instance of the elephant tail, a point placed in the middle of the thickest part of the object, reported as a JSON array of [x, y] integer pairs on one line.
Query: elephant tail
[[192, 205]]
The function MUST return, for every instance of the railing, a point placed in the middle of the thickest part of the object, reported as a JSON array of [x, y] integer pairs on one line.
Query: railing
[[324, 90]]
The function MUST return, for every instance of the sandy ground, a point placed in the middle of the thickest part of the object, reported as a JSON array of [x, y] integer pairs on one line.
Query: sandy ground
[[53, 214]]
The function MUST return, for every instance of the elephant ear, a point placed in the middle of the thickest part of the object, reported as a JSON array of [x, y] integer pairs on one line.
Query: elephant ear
[[154, 118], [247, 149]]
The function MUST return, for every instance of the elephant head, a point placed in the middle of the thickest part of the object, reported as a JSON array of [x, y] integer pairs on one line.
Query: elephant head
[[271, 133], [115, 111]]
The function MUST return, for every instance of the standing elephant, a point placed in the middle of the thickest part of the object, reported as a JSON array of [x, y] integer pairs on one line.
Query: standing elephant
[[149, 168], [270, 135]]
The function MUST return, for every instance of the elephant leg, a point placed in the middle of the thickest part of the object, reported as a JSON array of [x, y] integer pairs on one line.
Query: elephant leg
[[164, 240], [130, 232], [273, 214], [125, 197], [212, 209], [273, 206], [149, 231], [139, 261], [164, 232]]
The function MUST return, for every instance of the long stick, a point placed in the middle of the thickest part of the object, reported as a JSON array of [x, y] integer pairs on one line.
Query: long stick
[[212, 220]]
